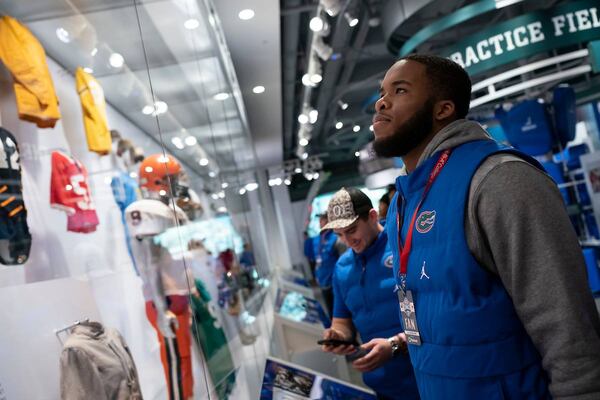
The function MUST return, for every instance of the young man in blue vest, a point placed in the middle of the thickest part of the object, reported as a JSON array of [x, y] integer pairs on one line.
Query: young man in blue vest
[[328, 248], [491, 279], [364, 300]]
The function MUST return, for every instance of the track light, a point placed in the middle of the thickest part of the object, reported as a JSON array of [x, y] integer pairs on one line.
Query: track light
[[343, 105], [323, 50], [332, 7], [352, 21], [316, 24]]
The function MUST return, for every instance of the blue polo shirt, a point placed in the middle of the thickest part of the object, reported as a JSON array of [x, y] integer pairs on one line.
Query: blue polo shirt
[[363, 286]]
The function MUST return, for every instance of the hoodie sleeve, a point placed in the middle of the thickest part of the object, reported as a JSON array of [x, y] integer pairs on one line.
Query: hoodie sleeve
[[517, 227]]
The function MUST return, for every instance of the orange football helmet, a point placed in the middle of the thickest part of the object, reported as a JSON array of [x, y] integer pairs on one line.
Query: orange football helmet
[[157, 170]]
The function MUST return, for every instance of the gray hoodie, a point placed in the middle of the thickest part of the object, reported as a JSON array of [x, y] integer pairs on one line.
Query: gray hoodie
[[517, 228]]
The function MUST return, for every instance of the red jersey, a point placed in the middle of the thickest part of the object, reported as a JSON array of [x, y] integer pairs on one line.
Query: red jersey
[[70, 192]]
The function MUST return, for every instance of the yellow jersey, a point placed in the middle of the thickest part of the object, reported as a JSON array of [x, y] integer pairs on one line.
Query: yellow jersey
[[94, 112]]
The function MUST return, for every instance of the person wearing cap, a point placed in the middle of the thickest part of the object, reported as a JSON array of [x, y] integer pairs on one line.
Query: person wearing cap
[[491, 277], [327, 249], [364, 299]]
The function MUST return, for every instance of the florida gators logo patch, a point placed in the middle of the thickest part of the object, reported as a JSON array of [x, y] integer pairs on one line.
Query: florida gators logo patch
[[425, 221], [389, 262]]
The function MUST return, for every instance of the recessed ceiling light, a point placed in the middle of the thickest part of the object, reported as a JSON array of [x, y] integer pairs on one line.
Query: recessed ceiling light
[[258, 89], [147, 110], [357, 153], [303, 118], [287, 181], [224, 185], [214, 196], [212, 174], [177, 142], [94, 51], [191, 140], [303, 142], [371, 128], [352, 21], [222, 209], [356, 128], [251, 186], [162, 192], [315, 78], [88, 70], [63, 35], [298, 170], [304, 156], [339, 125], [160, 107], [191, 23], [316, 24], [316, 175], [203, 162], [221, 96], [221, 194], [246, 14], [312, 116], [116, 60], [342, 105], [242, 191]]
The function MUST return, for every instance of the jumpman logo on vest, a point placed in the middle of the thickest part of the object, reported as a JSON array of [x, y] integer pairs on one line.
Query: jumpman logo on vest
[[423, 273]]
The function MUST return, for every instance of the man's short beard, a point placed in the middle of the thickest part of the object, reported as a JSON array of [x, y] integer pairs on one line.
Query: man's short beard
[[407, 136]]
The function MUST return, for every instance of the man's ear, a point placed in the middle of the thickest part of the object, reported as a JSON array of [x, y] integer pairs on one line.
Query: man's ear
[[443, 109], [373, 215]]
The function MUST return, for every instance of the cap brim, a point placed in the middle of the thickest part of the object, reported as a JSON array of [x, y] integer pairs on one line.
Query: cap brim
[[340, 223]]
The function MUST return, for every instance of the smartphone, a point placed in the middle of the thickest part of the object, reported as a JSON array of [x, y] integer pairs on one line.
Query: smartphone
[[336, 342], [359, 353]]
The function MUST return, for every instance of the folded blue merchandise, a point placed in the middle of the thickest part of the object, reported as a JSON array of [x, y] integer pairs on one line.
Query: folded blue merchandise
[[527, 127], [574, 155]]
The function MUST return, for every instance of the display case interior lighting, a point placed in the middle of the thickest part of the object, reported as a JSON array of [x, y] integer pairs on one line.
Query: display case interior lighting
[[339, 125], [116, 60], [191, 24], [221, 96], [63, 35], [258, 89], [352, 21], [191, 141], [203, 162], [246, 14], [316, 24]]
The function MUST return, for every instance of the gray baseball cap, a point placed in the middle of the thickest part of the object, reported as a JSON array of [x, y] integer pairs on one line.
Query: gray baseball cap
[[344, 208]]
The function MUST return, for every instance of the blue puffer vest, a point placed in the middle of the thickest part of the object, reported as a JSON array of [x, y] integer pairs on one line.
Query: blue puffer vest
[[468, 324]]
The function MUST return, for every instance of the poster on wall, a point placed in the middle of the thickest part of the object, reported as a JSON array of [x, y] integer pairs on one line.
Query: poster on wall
[[287, 381]]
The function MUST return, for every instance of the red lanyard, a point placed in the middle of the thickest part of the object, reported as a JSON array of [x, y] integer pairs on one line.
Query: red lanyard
[[405, 250]]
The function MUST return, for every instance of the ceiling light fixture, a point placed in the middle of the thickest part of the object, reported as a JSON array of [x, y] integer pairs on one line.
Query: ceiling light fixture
[[357, 153], [312, 116], [214, 196], [221, 194], [356, 128], [191, 24], [332, 7], [352, 21], [339, 125], [162, 192], [160, 107], [258, 89], [324, 51], [147, 110], [306, 81], [304, 156], [298, 170], [371, 128], [242, 191], [316, 24], [224, 185], [212, 174], [303, 118], [191, 141], [116, 60], [343, 105], [221, 96], [222, 209], [303, 142], [287, 181], [88, 70], [252, 186], [177, 142], [94, 51], [246, 14], [315, 78], [63, 35], [203, 162]]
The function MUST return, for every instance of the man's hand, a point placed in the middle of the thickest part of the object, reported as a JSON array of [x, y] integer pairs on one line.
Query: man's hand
[[333, 333], [380, 351]]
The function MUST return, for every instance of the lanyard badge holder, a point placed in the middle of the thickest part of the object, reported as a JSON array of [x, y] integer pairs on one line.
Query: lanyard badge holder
[[405, 297]]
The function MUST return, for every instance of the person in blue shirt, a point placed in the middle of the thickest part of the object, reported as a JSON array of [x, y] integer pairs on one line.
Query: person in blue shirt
[[327, 250], [364, 299]]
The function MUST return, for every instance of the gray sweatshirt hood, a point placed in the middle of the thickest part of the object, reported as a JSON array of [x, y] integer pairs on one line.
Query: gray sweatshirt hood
[[452, 135]]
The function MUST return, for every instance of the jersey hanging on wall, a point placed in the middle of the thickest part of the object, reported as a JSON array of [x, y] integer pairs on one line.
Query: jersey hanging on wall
[[70, 192], [93, 106], [15, 240]]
